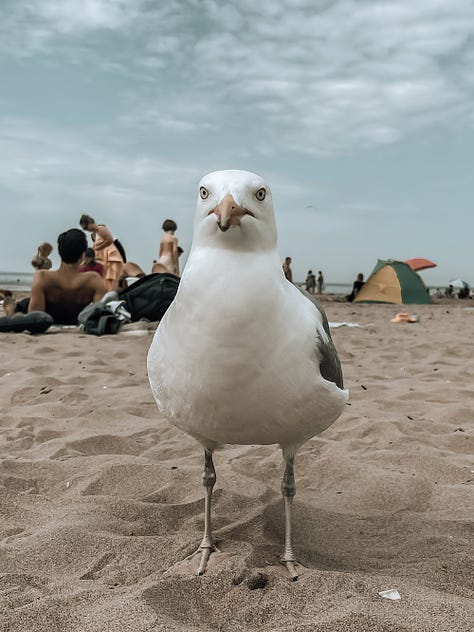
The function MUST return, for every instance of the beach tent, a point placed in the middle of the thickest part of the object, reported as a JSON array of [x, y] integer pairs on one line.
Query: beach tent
[[393, 281]]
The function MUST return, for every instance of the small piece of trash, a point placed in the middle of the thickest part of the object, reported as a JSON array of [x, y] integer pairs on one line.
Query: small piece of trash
[[391, 594], [68, 484], [405, 317], [45, 390]]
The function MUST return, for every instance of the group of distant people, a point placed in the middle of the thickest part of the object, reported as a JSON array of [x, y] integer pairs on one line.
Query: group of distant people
[[464, 292], [315, 285], [107, 255], [86, 273]]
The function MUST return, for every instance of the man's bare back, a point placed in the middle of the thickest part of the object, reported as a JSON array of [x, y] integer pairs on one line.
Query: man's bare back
[[64, 292], [65, 285]]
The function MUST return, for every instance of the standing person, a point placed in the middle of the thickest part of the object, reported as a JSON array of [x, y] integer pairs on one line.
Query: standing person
[[310, 282], [106, 251], [320, 282], [287, 269], [158, 267], [168, 255], [41, 260]]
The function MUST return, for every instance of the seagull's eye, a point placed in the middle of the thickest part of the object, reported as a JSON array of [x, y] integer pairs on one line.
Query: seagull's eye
[[260, 194], [204, 193]]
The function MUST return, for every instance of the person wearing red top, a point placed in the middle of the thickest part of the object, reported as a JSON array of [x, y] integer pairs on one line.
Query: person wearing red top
[[89, 263]]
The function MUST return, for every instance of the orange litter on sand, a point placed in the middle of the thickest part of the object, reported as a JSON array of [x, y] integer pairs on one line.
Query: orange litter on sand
[[405, 317]]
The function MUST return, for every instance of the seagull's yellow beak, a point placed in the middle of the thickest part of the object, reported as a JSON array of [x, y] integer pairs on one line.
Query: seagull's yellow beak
[[229, 213]]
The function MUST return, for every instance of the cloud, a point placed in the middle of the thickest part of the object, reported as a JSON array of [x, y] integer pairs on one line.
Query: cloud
[[348, 75], [311, 77], [38, 157]]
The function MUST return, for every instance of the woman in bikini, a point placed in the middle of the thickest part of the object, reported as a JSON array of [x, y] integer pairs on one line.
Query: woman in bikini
[[168, 259]]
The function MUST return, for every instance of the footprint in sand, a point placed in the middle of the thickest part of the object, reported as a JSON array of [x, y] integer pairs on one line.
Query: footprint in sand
[[100, 444]]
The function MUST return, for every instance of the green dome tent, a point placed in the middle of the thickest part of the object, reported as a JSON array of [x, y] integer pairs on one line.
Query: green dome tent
[[393, 281]]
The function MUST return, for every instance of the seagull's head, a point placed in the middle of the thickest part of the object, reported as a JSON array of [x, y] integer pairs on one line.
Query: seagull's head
[[235, 210]]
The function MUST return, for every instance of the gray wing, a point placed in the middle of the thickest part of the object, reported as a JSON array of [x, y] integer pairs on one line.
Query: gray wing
[[329, 365]]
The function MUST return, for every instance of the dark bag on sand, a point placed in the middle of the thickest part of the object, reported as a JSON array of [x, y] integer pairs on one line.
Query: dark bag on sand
[[98, 319], [34, 322], [150, 296]]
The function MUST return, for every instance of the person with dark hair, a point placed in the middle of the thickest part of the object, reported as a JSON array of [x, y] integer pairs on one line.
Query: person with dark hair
[[310, 282], [63, 293], [106, 250], [287, 269], [168, 257], [356, 287], [320, 282]]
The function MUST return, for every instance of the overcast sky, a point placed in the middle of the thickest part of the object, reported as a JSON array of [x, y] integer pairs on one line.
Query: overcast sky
[[359, 114]]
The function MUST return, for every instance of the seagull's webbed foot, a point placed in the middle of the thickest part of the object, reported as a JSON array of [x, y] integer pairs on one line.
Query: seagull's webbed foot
[[288, 559], [204, 552], [290, 567]]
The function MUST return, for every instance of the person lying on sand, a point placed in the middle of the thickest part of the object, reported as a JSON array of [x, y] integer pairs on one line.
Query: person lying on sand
[[63, 293], [130, 272]]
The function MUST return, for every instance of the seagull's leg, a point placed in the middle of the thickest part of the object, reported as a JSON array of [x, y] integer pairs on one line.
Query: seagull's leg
[[207, 545], [288, 489]]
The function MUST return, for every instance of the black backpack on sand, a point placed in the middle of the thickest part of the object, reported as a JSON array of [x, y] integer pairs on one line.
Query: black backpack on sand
[[150, 296]]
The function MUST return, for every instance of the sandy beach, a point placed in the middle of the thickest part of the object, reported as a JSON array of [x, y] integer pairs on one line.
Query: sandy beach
[[101, 499]]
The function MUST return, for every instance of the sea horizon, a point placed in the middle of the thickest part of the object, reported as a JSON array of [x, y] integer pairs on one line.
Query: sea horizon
[[21, 281]]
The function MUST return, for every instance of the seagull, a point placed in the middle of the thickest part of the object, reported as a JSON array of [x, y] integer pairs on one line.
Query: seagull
[[242, 356]]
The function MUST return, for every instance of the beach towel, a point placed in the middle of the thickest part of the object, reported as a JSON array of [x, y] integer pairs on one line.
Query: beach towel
[[150, 296]]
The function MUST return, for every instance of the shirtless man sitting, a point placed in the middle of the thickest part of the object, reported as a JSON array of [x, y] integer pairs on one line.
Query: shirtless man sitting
[[63, 293]]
